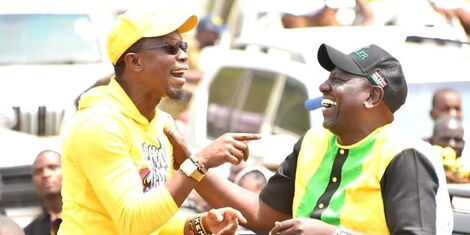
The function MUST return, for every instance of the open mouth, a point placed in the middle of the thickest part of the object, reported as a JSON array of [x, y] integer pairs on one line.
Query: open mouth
[[327, 103], [178, 73]]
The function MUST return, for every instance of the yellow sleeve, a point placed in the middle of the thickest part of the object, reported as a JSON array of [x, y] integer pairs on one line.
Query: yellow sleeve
[[102, 153], [175, 226]]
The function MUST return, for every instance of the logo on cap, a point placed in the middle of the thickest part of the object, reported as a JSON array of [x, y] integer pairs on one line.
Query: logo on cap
[[361, 54], [378, 79]]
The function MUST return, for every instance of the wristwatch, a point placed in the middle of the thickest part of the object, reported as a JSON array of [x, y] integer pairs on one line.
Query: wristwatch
[[190, 169]]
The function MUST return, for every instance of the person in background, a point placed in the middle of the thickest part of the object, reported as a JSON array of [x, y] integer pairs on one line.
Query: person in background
[[448, 131], [305, 13], [209, 30], [121, 175], [447, 137], [356, 174], [9, 227], [446, 101], [454, 9], [47, 179], [253, 178]]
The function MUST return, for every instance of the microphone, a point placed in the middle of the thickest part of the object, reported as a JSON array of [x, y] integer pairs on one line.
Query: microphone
[[312, 104]]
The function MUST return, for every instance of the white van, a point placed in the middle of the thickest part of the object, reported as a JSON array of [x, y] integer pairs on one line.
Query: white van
[[48, 56]]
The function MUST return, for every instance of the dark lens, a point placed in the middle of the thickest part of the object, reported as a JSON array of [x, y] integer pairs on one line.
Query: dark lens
[[172, 48], [184, 46]]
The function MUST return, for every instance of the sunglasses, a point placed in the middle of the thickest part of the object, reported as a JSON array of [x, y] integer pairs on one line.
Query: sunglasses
[[170, 48]]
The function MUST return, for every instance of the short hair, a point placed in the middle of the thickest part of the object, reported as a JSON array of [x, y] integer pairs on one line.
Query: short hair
[[45, 151], [258, 176], [121, 63], [440, 91]]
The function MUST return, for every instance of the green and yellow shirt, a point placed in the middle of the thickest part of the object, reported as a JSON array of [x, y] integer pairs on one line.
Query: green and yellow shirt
[[385, 183]]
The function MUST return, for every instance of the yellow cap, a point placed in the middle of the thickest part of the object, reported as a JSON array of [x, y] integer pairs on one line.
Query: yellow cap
[[154, 20]]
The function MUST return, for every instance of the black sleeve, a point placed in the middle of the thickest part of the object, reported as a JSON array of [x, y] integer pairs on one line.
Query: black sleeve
[[279, 191], [409, 188]]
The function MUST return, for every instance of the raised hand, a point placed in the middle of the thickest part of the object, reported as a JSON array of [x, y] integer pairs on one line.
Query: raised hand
[[223, 221], [230, 147], [180, 151]]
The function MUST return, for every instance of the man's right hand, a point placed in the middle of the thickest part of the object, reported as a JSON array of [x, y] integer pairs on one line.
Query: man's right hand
[[230, 147]]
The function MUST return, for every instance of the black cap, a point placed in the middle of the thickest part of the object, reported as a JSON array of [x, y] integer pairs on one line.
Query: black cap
[[373, 62]]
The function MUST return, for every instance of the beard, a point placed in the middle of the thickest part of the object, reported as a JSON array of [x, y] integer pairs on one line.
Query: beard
[[178, 95]]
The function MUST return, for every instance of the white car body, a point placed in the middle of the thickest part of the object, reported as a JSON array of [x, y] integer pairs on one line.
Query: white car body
[[54, 86], [39, 86]]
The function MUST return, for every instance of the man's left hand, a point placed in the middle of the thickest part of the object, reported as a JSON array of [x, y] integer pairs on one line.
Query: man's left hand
[[223, 221], [302, 226]]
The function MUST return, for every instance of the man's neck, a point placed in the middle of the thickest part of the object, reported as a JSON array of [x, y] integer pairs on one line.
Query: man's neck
[[146, 102], [354, 136], [53, 204]]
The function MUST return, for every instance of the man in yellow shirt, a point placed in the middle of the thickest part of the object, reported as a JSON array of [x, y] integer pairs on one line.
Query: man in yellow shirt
[[119, 172]]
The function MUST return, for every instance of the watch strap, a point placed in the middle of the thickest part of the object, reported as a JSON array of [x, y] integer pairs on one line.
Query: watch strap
[[190, 169]]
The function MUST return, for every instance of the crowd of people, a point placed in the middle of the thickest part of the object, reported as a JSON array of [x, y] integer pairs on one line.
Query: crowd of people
[[125, 169]]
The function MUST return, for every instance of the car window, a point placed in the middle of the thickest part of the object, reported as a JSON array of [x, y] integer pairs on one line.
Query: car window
[[222, 100], [291, 117], [238, 99], [253, 100], [47, 39]]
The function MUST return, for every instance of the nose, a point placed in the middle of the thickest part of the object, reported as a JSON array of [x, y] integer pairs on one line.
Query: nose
[[452, 143], [325, 87], [182, 56], [455, 113], [46, 173]]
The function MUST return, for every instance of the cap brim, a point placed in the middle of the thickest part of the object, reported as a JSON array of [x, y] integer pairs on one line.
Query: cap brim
[[189, 24], [182, 25], [329, 58]]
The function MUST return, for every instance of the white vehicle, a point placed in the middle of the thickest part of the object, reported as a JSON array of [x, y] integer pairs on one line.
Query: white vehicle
[[251, 91], [47, 58]]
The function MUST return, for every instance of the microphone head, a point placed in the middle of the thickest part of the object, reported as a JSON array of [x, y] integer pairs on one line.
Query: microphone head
[[312, 104]]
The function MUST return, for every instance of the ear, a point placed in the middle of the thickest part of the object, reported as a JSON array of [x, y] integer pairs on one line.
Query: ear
[[375, 97], [133, 62], [433, 114]]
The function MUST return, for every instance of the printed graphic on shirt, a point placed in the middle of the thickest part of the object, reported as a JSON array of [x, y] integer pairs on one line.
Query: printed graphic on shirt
[[157, 172], [145, 176]]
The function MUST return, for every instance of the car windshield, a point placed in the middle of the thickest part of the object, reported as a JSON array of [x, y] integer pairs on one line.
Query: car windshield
[[47, 39]]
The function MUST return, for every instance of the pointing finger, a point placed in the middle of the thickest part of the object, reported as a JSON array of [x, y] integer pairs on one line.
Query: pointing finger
[[246, 136]]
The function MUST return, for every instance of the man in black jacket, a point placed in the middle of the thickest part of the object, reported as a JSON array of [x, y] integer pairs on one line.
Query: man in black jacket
[[47, 178]]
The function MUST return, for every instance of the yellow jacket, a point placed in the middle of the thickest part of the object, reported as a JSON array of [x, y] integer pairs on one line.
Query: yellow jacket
[[115, 164]]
